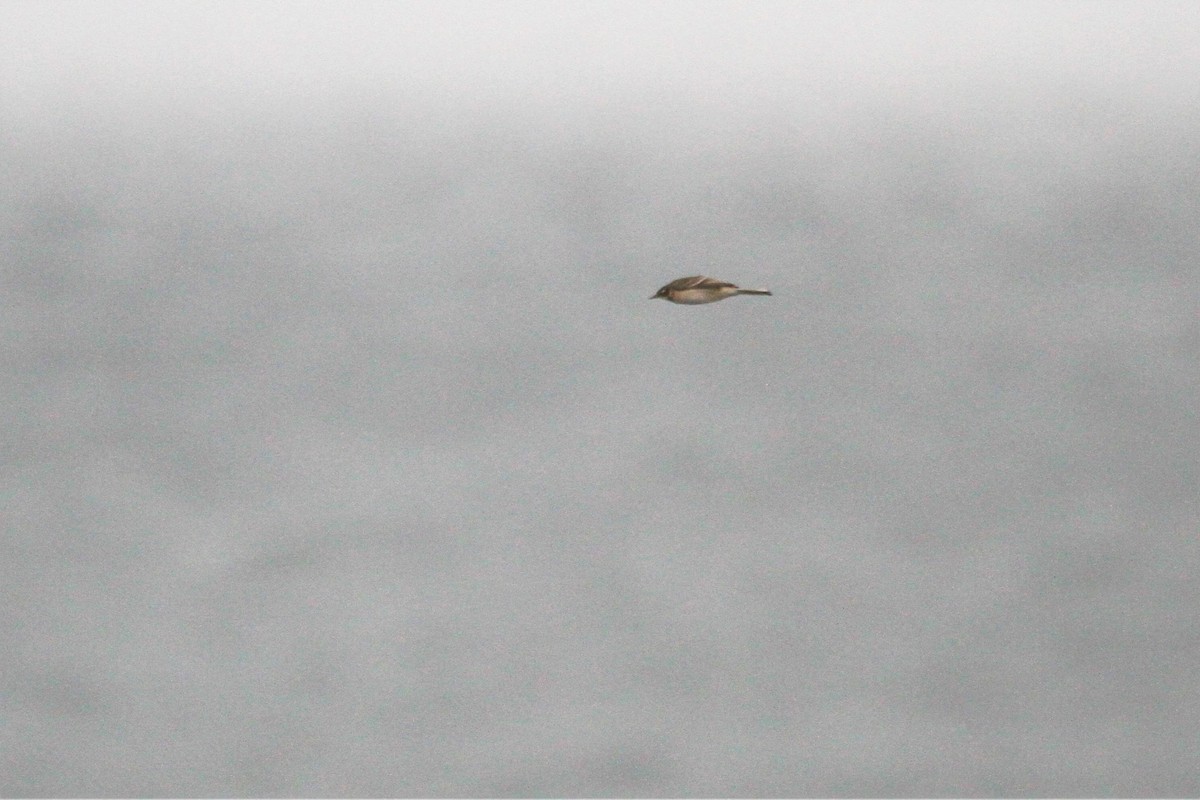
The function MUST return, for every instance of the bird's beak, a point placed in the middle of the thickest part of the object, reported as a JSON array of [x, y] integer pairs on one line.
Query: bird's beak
[[655, 296]]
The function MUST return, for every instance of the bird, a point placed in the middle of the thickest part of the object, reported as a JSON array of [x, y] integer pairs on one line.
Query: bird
[[698, 289]]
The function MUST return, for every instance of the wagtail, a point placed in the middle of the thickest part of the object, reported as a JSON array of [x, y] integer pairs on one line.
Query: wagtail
[[698, 289]]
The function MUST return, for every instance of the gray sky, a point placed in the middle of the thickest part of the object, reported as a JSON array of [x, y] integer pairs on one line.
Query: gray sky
[[345, 454], [584, 55]]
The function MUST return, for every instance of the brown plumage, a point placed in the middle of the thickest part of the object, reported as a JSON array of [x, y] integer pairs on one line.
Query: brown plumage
[[698, 289]]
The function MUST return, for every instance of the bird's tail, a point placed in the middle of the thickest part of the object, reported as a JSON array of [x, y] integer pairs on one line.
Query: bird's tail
[[753, 291]]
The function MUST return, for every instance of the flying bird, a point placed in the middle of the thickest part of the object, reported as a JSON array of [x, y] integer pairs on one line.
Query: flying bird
[[698, 289]]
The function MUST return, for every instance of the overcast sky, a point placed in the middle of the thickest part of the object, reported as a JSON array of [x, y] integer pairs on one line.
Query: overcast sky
[[345, 454], [585, 54]]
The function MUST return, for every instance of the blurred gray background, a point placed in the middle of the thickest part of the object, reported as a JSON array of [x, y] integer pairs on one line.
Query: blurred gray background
[[344, 454]]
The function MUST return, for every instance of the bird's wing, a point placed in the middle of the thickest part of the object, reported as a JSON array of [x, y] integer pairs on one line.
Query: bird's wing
[[698, 282]]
